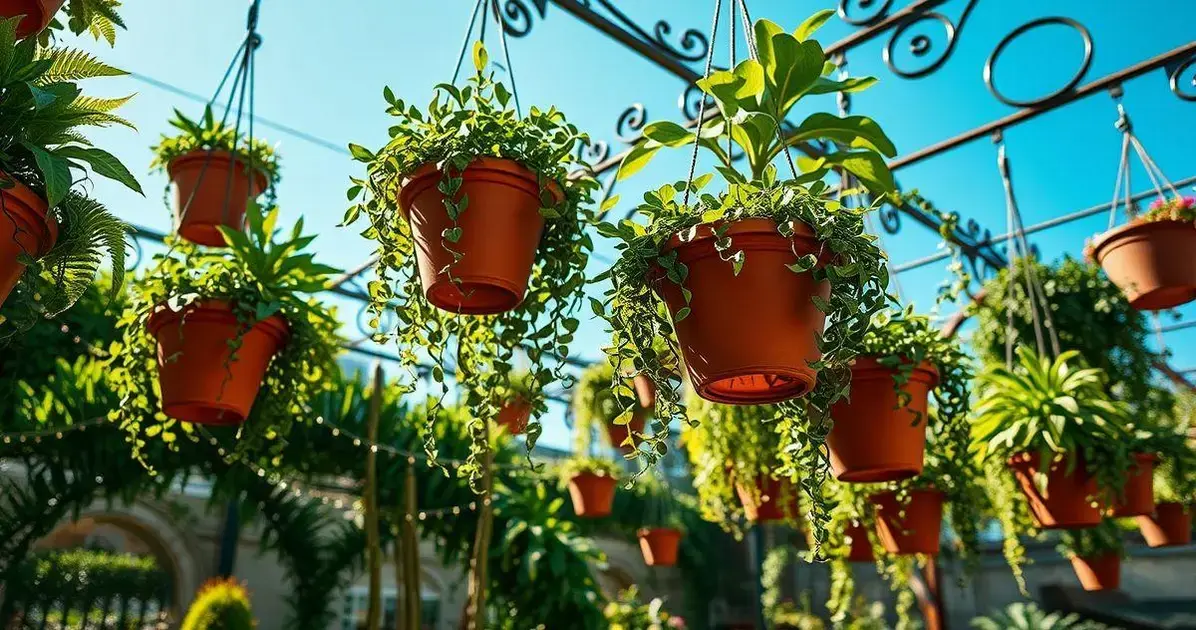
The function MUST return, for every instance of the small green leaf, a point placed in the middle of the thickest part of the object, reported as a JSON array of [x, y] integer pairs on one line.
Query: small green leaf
[[480, 57], [360, 153]]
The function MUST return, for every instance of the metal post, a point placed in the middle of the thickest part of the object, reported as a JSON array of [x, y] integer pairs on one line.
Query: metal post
[[228, 539]]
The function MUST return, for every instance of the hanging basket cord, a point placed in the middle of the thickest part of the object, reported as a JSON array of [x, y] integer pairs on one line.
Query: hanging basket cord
[[483, 7], [1019, 247], [244, 80], [1122, 186]]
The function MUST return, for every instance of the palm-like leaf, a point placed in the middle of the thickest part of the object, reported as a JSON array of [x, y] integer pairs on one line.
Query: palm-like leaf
[[1028, 616], [88, 233]]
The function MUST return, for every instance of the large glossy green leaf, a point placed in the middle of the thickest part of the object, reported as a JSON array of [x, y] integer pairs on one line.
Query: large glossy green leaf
[[793, 68], [812, 24], [636, 159], [103, 163], [868, 167], [851, 84], [56, 171], [859, 132]]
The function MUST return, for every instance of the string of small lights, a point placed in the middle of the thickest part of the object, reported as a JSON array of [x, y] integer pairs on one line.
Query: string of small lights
[[36, 436]]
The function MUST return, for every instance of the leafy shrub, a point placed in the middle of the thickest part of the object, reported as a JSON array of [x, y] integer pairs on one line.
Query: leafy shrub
[[220, 605]]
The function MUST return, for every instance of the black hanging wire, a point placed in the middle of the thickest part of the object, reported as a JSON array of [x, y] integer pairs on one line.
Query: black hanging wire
[[483, 7], [243, 82]]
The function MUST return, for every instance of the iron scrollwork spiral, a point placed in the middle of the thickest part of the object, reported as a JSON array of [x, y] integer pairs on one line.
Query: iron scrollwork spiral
[[890, 218], [631, 122], [921, 46], [690, 102], [517, 16], [873, 11], [990, 65], [1183, 79], [692, 44]]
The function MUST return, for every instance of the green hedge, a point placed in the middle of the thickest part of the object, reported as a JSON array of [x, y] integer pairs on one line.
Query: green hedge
[[82, 580]]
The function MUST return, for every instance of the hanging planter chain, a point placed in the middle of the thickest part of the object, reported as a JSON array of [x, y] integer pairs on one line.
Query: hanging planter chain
[[1157, 178]]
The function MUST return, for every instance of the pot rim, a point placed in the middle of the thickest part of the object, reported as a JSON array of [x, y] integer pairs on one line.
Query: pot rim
[[276, 325], [869, 363], [645, 532], [1102, 242], [218, 155], [752, 225], [484, 162]]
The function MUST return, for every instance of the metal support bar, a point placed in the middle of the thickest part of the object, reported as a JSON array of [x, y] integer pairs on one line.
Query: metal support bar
[[1029, 113]]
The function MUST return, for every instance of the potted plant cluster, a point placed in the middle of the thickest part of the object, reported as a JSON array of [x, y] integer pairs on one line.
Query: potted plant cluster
[[216, 173], [514, 401], [1053, 424], [737, 454], [1144, 257], [595, 407], [784, 253], [591, 482], [627, 612], [225, 333], [880, 429], [1081, 300], [480, 234], [53, 236], [1095, 554], [1170, 522]]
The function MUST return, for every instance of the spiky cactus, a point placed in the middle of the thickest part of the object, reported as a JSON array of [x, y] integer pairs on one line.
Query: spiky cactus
[[220, 604]]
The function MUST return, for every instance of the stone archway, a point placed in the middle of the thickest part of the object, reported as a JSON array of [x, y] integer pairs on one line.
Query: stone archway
[[171, 546]]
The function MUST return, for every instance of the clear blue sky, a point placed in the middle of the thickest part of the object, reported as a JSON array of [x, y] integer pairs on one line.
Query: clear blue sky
[[323, 65]]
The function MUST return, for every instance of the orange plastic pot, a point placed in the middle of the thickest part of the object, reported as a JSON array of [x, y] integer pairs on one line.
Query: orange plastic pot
[[860, 549], [1150, 262], [748, 338], [514, 416], [212, 188], [773, 501], [26, 227], [618, 433], [645, 391], [659, 546], [1065, 504], [38, 14], [912, 528], [1169, 526], [874, 438], [1137, 496], [500, 231], [201, 381], [1099, 573], [593, 495]]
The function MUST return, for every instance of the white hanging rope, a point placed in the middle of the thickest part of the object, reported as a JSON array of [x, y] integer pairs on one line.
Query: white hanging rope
[[1122, 184]]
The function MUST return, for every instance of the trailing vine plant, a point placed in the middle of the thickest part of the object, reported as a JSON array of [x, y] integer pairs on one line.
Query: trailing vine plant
[[208, 134], [260, 276], [459, 126], [755, 98]]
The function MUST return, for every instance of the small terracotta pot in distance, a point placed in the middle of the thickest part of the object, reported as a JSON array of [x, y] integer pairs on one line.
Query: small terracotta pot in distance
[[1137, 496], [1099, 573], [765, 359], [618, 433], [861, 547], [659, 546], [514, 416], [500, 233], [201, 381], [874, 437], [1169, 526], [1150, 262], [38, 14], [1066, 503], [26, 227], [918, 530], [593, 495], [777, 500], [212, 188]]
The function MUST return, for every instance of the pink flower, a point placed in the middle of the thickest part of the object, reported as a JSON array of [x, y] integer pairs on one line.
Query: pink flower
[[677, 622]]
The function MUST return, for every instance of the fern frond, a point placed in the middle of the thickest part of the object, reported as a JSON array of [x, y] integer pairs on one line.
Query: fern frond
[[87, 232], [71, 64]]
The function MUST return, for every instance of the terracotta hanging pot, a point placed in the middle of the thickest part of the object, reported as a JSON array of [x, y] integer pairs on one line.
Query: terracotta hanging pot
[[500, 231], [645, 391], [1098, 573], [26, 227], [774, 500], [514, 416], [861, 547], [874, 438], [618, 433], [1149, 262], [1169, 526], [1066, 502], [212, 188], [1137, 497], [200, 380], [749, 338], [918, 530], [659, 546], [38, 14], [593, 495]]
